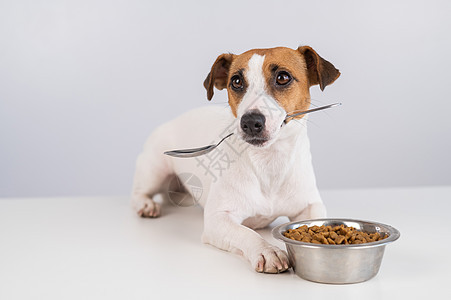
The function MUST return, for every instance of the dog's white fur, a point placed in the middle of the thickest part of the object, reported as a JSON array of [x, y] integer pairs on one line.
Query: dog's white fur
[[259, 184]]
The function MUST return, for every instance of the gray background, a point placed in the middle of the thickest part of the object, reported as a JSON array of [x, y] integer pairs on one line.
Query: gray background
[[83, 83]]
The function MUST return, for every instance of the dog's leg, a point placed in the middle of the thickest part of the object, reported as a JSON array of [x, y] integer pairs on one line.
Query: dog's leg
[[151, 172], [223, 230], [315, 210]]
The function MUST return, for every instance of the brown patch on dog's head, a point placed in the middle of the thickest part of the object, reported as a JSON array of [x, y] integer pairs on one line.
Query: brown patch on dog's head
[[284, 64], [288, 75]]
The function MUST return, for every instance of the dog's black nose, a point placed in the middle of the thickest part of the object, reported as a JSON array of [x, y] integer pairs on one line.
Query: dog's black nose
[[253, 123]]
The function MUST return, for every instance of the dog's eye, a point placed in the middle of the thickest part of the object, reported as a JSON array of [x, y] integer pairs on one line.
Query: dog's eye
[[236, 82], [283, 78]]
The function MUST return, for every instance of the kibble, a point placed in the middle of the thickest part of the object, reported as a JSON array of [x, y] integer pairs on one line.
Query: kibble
[[328, 235]]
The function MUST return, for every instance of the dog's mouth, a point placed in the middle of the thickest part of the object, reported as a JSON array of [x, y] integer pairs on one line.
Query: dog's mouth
[[256, 141]]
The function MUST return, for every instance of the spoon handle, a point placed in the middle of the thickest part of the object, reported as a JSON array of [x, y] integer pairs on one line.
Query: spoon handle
[[311, 110], [230, 134]]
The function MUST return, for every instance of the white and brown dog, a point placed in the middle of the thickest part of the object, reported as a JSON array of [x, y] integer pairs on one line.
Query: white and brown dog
[[266, 170]]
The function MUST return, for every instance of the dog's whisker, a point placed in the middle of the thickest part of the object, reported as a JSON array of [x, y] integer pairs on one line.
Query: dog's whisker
[[313, 104], [299, 123], [327, 114], [313, 123], [319, 101], [305, 125], [322, 102]]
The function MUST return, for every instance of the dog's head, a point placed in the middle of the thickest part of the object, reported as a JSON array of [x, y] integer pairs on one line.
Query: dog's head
[[264, 85]]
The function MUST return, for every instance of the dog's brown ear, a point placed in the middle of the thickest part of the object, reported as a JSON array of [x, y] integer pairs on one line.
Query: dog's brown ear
[[218, 75], [320, 71]]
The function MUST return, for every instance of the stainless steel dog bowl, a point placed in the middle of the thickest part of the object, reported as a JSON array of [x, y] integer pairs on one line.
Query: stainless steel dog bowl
[[337, 264]]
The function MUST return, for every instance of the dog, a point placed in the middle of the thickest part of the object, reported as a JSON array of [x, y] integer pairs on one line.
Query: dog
[[266, 167]]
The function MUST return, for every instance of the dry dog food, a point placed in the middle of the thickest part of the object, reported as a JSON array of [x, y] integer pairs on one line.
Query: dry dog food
[[337, 235]]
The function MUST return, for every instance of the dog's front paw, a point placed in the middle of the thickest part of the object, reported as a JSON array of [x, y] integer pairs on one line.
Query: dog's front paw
[[147, 208], [270, 259]]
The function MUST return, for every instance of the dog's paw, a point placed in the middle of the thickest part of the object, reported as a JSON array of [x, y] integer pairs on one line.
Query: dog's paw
[[270, 259], [147, 208]]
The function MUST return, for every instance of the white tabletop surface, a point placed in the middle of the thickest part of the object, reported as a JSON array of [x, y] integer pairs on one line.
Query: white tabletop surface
[[96, 248]]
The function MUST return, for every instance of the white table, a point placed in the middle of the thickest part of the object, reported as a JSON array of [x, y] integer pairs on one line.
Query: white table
[[96, 248]]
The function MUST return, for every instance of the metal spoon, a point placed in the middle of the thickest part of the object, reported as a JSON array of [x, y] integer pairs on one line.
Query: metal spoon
[[207, 149], [195, 151], [310, 110]]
